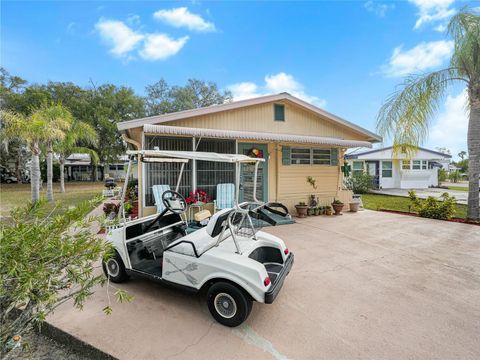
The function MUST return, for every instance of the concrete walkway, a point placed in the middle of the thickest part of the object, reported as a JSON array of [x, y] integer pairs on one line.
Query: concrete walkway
[[461, 196], [369, 285]]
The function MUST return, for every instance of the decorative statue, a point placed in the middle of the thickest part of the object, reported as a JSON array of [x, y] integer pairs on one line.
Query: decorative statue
[[313, 202]]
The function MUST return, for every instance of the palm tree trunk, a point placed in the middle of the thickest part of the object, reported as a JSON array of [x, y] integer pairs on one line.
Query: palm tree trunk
[[35, 173], [62, 174], [473, 141], [49, 172]]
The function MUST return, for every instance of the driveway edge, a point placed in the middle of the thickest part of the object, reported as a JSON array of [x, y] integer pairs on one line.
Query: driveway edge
[[80, 346]]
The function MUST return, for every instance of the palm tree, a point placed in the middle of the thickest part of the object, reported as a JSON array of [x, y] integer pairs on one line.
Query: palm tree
[[406, 114], [56, 121], [79, 133]]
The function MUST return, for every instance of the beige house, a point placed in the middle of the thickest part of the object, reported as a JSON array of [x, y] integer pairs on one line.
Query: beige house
[[297, 139]]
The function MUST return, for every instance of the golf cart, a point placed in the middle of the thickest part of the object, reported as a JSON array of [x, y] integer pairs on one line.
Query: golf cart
[[230, 258]]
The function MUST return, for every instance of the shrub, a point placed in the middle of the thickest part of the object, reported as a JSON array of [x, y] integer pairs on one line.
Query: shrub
[[433, 208], [442, 175], [454, 176], [46, 261], [359, 182]]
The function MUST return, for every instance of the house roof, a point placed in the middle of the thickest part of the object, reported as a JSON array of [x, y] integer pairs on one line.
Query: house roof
[[159, 119], [251, 135], [357, 154]]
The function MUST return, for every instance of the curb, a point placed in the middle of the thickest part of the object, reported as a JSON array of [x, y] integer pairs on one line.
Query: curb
[[74, 343]]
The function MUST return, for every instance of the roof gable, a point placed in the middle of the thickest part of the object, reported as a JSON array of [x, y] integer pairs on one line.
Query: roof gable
[[162, 119], [387, 153]]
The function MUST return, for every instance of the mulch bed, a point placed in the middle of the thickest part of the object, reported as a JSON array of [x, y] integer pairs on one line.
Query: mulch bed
[[457, 220]]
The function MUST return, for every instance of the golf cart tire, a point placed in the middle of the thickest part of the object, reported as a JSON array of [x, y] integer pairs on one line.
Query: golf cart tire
[[233, 295], [120, 275]]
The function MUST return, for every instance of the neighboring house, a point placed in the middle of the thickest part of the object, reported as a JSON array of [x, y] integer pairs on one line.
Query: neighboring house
[[78, 167], [397, 171], [296, 139]]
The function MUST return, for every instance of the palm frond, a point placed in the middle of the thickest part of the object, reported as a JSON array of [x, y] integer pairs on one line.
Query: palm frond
[[406, 114]]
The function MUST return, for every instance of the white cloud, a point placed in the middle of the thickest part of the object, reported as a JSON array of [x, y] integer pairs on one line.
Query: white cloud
[[377, 8], [440, 28], [450, 128], [432, 11], [181, 17], [424, 56], [274, 84], [161, 46], [133, 20], [122, 38]]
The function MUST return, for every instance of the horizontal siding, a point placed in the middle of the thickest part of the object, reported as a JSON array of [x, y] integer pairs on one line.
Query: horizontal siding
[[260, 118]]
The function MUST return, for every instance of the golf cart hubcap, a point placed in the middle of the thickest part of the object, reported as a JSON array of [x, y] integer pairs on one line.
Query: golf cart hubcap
[[112, 267], [225, 305]]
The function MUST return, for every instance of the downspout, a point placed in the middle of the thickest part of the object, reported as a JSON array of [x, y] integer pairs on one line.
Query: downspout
[[277, 166], [136, 144]]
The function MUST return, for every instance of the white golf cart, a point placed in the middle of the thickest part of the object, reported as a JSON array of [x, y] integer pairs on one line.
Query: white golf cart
[[229, 258]]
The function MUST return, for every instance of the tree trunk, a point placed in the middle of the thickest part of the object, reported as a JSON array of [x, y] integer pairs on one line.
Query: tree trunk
[[62, 174], [49, 172], [35, 173], [473, 142]]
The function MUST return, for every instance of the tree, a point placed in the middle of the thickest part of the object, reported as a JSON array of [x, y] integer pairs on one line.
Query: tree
[[406, 114], [462, 154], [162, 98], [56, 121], [80, 133], [45, 264]]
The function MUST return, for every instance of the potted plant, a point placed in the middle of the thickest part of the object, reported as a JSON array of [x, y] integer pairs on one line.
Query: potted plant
[[337, 206], [311, 211], [328, 210], [317, 211], [354, 206], [301, 208]]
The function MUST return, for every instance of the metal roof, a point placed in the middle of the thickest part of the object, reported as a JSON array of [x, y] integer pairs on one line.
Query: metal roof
[[194, 155], [250, 135], [159, 119], [357, 154]]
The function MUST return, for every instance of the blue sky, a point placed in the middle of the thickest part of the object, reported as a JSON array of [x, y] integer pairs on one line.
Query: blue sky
[[346, 57]]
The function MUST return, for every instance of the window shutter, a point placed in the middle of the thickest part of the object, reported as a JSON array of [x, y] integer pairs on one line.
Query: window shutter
[[334, 157], [286, 155]]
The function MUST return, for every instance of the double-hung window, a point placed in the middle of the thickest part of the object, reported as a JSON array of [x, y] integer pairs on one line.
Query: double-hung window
[[303, 156], [357, 167], [386, 169], [406, 164], [416, 164], [424, 164]]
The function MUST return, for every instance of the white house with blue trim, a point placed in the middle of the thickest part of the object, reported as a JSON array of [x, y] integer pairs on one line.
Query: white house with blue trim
[[391, 170]]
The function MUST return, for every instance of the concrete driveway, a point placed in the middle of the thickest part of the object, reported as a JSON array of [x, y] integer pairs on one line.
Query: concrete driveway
[[369, 285]]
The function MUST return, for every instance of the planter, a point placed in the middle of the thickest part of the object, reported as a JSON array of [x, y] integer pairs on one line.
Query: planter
[[317, 211], [354, 206], [338, 207], [311, 211], [301, 210], [328, 211]]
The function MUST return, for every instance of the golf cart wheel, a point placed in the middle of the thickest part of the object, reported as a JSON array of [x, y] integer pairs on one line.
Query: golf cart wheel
[[115, 269], [228, 304]]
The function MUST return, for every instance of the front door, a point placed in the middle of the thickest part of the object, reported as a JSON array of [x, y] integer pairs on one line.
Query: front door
[[373, 171], [248, 172]]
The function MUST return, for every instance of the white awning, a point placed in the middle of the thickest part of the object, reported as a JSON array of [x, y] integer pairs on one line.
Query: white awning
[[181, 156], [250, 135]]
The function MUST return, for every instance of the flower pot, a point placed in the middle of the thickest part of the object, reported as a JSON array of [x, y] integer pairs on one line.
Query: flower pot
[[317, 211], [354, 206], [337, 208], [311, 211], [301, 210]]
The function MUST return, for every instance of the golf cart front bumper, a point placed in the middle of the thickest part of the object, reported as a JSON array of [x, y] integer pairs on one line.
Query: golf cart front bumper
[[271, 294]]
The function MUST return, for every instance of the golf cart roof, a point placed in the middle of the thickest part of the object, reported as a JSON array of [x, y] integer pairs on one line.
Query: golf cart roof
[[184, 156]]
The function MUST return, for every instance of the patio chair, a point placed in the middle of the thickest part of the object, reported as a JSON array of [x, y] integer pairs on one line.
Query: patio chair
[[158, 191], [225, 197]]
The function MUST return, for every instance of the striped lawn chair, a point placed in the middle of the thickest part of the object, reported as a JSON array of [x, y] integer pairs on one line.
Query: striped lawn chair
[[158, 191], [225, 196]]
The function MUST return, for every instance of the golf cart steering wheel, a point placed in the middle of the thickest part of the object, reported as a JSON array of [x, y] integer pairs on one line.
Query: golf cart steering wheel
[[174, 202]]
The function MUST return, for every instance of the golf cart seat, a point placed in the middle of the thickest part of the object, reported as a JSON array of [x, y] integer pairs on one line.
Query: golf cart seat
[[197, 241]]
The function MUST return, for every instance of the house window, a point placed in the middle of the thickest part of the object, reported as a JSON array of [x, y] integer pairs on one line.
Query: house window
[[279, 112], [112, 167], [302, 156], [416, 164], [386, 169], [424, 164], [357, 167], [406, 164]]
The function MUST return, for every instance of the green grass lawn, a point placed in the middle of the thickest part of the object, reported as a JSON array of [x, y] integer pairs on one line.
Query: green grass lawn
[[13, 195], [459, 188], [399, 203]]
